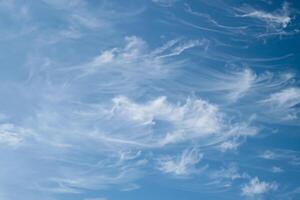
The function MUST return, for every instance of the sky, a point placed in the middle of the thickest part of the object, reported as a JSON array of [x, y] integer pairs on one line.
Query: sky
[[149, 99]]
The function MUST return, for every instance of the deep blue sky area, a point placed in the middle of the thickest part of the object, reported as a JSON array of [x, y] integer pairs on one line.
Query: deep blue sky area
[[149, 99]]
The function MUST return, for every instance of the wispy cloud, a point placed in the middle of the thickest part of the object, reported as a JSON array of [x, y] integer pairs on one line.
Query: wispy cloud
[[229, 145], [290, 156], [135, 53], [253, 22], [286, 98], [242, 84], [257, 187], [12, 135], [280, 18], [235, 84], [98, 95], [176, 47], [283, 104], [131, 65], [276, 169], [231, 172], [184, 164], [192, 120], [275, 23]]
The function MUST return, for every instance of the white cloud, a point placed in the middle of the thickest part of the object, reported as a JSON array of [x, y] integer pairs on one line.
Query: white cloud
[[135, 53], [132, 61], [269, 155], [179, 47], [286, 98], [129, 155], [257, 187], [195, 114], [244, 81], [90, 143], [234, 84], [270, 23], [290, 156], [133, 48], [276, 169], [11, 135], [280, 17], [183, 164], [231, 173], [59, 188], [229, 145], [105, 175], [238, 84], [193, 120], [282, 104]]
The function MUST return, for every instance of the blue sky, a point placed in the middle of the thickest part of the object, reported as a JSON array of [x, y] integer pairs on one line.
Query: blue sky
[[149, 99]]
